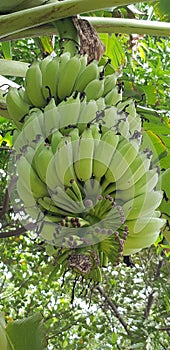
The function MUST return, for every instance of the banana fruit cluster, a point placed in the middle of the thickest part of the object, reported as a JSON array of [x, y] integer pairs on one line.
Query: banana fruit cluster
[[83, 176], [59, 77]]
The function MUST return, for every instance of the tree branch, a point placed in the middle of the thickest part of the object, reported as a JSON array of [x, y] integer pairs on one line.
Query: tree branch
[[18, 231], [5, 207], [29, 18], [114, 309], [102, 25], [151, 297]]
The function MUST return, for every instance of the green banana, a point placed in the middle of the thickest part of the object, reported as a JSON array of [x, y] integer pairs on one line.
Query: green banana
[[51, 117], [103, 153], [124, 155], [90, 73], [64, 161], [101, 103], [83, 161], [109, 83], [31, 179], [56, 137], [83, 64], [50, 78], [135, 170], [142, 205], [87, 114], [24, 96], [143, 232], [64, 58], [69, 111], [16, 106], [47, 231], [145, 184], [42, 158], [123, 128], [94, 89], [44, 63], [33, 128], [47, 204], [68, 78], [75, 188], [113, 96], [33, 85], [63, 201]]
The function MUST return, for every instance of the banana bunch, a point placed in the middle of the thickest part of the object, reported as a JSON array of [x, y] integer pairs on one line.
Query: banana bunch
[[60, 77], [82, 176]]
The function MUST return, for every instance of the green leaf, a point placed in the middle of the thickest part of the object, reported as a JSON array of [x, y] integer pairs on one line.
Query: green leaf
[[165, 182], [162, 9], [155, 144], [151, 94], [6, 49], [114, 50], [47, 44], [27, 333]]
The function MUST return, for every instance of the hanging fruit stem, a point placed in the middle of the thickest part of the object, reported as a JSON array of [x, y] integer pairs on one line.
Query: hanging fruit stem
[[68, 37]]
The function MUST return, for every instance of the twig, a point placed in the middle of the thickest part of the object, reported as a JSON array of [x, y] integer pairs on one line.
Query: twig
[[17, 231], [114, 308], [162, 345], [151, 298], [5, 204]]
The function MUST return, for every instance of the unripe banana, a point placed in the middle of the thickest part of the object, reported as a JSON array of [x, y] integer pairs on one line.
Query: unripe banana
[[51, 176], [63, 201], [124, 155], [143, 232], [143, 205], [109, 83], [101, 103], [50, 78], [64, 161], [103, 153], [55, 139], [75, 188], [83, 64], [24, 96], [69, 111], [135, 171], [87, 114], [32, 181], [16, 106], [96, 133], [90, 73], [51, 117], [64, 58], [42, 158], [33, 128], [94, 89], [33, 85], [26, 195], [113, 97], [47, 231], [50, 207], [74, 134], [134, 124], [83, 161], [123, 128], [67, 80], [43, 63]]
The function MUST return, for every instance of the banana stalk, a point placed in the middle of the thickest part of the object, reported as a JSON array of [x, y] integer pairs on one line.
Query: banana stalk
[[68, 37]]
